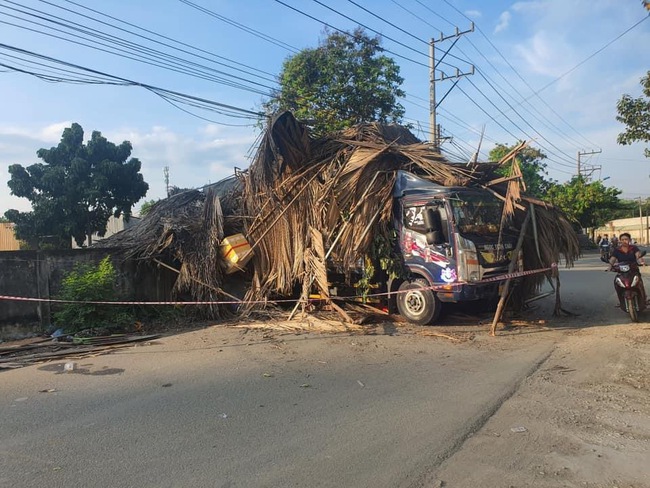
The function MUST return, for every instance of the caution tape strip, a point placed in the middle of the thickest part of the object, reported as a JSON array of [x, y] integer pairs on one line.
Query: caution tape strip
[[502, 277]]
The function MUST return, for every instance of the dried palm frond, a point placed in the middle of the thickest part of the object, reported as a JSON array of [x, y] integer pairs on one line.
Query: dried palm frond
[[305, 200]]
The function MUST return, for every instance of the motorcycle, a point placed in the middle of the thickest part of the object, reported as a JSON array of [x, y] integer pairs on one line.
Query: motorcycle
[[605, 252], [628, 284]]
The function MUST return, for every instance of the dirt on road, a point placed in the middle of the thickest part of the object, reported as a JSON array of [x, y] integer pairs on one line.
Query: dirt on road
[[581, 420]]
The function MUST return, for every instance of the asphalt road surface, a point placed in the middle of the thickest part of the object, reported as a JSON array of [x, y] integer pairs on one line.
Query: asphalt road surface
[[220, 407]]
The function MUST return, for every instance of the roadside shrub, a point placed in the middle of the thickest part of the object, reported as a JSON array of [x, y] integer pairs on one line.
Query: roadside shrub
[[87, 282]]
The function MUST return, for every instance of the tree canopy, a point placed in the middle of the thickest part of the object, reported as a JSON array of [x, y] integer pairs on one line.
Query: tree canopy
[[146, 207], [635, 114], [343, 82], [589, 204], [76, 188], [533, 167]]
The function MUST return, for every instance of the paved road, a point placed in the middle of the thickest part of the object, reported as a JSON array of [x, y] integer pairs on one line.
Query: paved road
[[220, 408]]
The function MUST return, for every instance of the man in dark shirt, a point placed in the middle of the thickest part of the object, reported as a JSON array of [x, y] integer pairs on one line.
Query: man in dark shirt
[[626, 252]]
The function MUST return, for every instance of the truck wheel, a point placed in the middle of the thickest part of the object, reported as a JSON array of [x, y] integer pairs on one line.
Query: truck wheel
[[418, 304]]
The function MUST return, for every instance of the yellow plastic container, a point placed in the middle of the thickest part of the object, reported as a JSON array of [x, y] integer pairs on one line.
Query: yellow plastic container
[[236, 252]]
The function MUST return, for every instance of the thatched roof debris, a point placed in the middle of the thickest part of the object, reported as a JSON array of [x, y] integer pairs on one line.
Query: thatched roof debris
[[305, 200]]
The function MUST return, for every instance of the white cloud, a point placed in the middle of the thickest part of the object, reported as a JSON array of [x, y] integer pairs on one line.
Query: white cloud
[[475, 14], [48, 134], [530, 6], [540, 53], [52, 133], [504, 22], [193, 160], [207, 155]]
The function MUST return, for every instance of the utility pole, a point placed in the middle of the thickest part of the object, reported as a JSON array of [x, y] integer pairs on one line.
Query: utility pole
[[585, 153], [166, 174], [434, 129], [641, 236]]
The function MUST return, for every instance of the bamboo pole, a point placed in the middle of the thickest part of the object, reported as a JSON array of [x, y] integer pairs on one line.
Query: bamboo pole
[[284, 210], [511, 268], [558, 302], [340, 233]]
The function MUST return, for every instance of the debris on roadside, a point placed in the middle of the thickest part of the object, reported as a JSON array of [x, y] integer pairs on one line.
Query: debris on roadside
[[24, 354]]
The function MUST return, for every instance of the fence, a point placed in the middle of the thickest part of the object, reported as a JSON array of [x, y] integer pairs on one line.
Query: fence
[[38, 274]]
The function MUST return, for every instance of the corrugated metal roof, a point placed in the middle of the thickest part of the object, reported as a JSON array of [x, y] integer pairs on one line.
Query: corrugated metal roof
[[8, 241]]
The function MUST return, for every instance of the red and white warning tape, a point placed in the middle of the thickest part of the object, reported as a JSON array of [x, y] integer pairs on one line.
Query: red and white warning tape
[[502, 277]]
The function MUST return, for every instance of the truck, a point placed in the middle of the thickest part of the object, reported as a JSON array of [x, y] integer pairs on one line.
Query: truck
[[453, 245]]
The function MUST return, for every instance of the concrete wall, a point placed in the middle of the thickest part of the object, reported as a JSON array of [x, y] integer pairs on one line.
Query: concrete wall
[[113, 226], [638, 227], [38, 274]]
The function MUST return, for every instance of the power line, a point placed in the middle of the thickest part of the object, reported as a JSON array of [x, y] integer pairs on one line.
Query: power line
[[150, 62], [273, 76], [476, 48], [534, 92], [331, 9], [480, 72], [249, 30], [152, 56], [522, 100], [343, 31], [203, 103], [591, 56], [522, 118], [389, 23]]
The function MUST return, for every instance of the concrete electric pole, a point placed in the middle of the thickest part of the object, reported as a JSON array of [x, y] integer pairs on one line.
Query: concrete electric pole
[[434, 129], [586, 153]]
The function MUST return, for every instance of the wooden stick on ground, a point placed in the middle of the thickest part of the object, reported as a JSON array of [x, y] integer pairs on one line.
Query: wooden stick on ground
[[439, 334]]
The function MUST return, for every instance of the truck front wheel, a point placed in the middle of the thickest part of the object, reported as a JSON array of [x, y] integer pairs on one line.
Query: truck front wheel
[[417, 303]]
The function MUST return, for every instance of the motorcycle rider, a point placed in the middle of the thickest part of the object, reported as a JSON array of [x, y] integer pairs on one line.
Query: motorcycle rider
[[603, 244], [613, 243], [626, 252]]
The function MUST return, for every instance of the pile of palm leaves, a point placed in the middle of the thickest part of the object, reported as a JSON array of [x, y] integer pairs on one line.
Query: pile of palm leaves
[[330, 197], [304, 202], [310, 200], [183, 233]]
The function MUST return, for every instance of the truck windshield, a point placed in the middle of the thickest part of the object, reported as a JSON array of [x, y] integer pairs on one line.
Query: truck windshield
[[477, 214]]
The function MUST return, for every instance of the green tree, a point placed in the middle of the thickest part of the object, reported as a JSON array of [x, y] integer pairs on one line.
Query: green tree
[[146, 207], [635, 114], [533, 168], [3, 220], [344, 81], [90, 283], [629, 208], [76, 188], [588, 204]]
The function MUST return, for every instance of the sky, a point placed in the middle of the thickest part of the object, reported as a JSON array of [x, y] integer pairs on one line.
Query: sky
[[548, 71]]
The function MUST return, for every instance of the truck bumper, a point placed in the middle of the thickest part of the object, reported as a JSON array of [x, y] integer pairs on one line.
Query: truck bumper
[[467, 292]]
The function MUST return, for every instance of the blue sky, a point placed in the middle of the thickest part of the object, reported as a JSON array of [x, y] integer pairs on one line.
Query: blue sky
[[539, 75]]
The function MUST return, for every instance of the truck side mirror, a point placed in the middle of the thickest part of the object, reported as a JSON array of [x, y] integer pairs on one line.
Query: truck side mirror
[[433, 224]]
